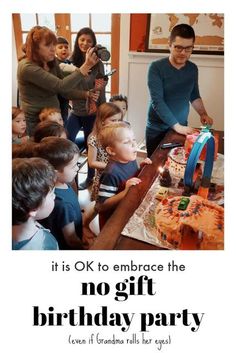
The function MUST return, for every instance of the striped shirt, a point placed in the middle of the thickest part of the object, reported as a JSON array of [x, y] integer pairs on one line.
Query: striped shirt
[[114, 177]]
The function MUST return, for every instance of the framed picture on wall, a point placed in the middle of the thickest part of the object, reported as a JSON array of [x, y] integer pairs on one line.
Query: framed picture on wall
[[208, 27]]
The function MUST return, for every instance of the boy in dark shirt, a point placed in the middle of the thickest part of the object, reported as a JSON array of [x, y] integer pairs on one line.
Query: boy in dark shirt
[[65, 222], [119, 175], [33, 197]]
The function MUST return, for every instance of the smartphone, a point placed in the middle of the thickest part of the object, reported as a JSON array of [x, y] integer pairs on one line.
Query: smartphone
[[171, 145], [106, 76], [111, 72]]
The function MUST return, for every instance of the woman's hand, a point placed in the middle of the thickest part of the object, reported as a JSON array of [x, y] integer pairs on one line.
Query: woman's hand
[[91, 59], [94, 95]]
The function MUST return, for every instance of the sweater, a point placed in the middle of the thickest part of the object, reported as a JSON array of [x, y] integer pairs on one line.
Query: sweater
[[171, 90], [38, 88]]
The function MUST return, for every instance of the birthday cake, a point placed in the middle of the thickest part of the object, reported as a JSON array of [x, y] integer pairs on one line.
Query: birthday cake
[[202, 219], [176, 162]]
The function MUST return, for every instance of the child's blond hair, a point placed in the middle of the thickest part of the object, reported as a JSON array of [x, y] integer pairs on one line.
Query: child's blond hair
[[46, 112], [109, 134]]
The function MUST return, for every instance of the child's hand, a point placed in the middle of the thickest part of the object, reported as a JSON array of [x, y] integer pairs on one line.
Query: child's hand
[[88, 238], [131, 182], [145, 161]]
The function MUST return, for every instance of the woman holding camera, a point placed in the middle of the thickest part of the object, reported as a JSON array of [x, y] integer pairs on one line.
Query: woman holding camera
[[84, 109], [40, 79]]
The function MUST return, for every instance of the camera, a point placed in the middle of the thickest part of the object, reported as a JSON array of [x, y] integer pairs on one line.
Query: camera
[[102, 52]]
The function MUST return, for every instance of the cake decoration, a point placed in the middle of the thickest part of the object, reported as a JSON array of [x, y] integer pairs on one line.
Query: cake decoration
[[205, 138], [191, 139], [165, 178], [176, 162], [202, 220]]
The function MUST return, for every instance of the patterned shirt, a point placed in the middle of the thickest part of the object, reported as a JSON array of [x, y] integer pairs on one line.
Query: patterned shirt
[[102, 156]]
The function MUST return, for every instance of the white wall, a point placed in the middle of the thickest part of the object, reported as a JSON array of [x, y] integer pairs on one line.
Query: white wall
[[133, 83]]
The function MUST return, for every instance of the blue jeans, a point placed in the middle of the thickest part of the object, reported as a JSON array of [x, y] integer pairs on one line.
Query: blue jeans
[[74, 124]]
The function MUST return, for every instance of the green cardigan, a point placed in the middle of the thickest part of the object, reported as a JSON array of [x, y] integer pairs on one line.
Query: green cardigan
[[39, 88]]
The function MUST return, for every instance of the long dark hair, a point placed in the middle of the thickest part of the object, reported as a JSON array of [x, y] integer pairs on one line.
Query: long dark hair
[[77, 56]]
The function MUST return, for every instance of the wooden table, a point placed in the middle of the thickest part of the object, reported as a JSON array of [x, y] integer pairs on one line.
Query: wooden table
[[110, 238]]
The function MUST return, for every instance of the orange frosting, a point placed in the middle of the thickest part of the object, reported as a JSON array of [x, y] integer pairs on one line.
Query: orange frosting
[[200, 226]]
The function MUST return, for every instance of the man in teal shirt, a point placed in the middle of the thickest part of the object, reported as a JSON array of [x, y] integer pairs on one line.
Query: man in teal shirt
[[173, 83]]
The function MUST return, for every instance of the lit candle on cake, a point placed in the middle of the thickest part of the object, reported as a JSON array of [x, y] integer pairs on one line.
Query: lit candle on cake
[[165, 179], [160, 169]]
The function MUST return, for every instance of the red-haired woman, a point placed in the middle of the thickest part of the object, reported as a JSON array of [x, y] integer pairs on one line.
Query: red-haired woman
[[40, 79]]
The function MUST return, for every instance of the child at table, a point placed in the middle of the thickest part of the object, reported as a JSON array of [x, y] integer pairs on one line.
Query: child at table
[[97, 156], [18, 126], [119, 175], [107, 113], [51, 114], [32, 199], [65, 222]]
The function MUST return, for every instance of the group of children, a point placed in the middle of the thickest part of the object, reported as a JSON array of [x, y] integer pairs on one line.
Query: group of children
[[46, 212]]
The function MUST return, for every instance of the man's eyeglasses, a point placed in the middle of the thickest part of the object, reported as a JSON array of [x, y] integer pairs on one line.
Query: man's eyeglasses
[[179, 48]]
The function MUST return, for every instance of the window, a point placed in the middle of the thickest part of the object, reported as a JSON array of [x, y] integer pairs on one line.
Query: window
[[30, 20]]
